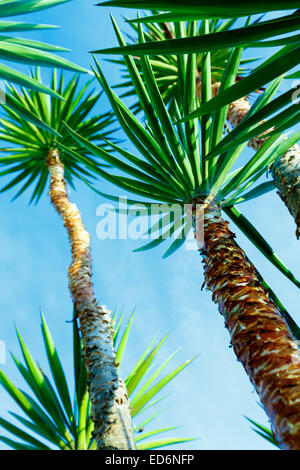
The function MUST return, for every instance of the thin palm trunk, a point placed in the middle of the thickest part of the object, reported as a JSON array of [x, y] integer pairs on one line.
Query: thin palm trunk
[[260, 337], [110, 405], [285, 170]]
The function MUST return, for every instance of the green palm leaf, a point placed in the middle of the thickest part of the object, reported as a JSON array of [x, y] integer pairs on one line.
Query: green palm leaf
[[265, 73], [139, 402], [162, 443], [21, 7], [244, 36], [57, 372], [264, 432], [19, 50], [14, 26], [215, 9]]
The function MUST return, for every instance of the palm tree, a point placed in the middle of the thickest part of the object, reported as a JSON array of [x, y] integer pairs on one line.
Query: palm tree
[[285, 170], [174, 170], [49, 412], [36, 157], [165, 69]]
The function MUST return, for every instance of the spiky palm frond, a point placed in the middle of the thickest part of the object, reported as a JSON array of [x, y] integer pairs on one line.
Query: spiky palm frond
[[165, 68], [25, 51], [52, 421], [203, 9], [264, 432], [250, 35], [31, 141], [284, 109], [246, 36]]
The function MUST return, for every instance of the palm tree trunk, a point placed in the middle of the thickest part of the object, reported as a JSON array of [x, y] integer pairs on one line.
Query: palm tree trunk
[[110, 405], [285, 170], [286, 174], [260, 337]]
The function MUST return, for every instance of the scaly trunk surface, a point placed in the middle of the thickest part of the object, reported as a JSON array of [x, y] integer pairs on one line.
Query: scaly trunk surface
[[285, 170], [260, 337], [108, 394]]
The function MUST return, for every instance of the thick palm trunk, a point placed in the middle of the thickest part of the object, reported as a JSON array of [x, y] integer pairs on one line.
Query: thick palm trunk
[[110, 406], [259, 335], [285, 170]]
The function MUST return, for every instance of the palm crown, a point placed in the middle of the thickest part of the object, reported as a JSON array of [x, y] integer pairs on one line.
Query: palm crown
[[31, 142], [177, 162], [50, 414]]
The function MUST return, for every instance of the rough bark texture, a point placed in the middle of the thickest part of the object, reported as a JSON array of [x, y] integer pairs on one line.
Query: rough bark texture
[[260, 337], [286, 175], [110, 405], [285, 170]]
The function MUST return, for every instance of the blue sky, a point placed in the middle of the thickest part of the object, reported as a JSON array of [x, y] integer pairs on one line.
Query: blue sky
[[211, 397]]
